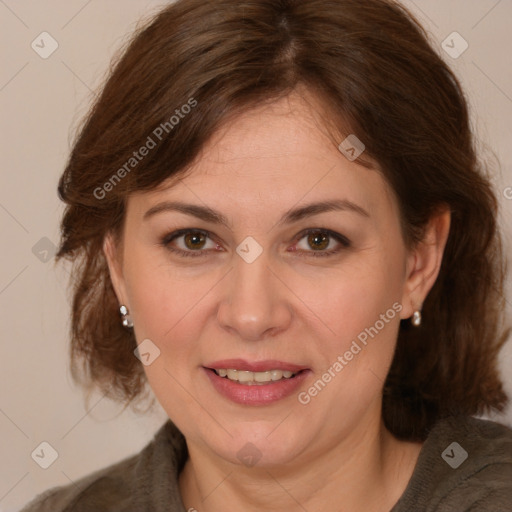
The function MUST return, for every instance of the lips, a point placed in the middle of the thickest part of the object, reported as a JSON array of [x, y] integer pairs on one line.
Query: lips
[[260, 393]]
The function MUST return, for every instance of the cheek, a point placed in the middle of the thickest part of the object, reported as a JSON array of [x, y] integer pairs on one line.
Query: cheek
[[351, 299], [363, 311], [357, 317], [169, 309], [163, 297]]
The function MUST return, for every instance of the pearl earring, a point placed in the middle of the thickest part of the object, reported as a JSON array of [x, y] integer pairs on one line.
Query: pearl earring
[[416, 318], [127, 319]]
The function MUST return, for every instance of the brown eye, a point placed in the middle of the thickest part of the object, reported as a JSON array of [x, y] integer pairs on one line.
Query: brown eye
[[190, 242], [194, 240], [318, 241], [321, 242]]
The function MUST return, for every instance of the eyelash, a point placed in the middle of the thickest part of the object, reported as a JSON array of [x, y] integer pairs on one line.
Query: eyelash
[[345, 242]]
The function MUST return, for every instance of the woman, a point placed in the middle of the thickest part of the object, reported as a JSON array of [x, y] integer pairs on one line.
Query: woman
[[280, 224]]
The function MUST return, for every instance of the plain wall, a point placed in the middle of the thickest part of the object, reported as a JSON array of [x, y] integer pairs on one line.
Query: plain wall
[[42, 101]]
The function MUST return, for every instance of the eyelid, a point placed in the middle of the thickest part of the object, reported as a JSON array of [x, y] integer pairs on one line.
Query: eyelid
[[167, 239], [341, 239], [181, 232]]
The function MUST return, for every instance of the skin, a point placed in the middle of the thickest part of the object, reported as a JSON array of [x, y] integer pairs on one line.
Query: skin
[[286, 305]]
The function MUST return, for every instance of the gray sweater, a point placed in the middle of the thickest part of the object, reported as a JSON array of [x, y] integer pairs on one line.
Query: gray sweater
[[465, 465]]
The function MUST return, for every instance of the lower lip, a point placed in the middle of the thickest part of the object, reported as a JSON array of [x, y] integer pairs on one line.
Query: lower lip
[[257, 394]]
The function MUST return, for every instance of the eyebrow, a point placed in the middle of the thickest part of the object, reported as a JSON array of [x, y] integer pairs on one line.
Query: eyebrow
[[209, 215]]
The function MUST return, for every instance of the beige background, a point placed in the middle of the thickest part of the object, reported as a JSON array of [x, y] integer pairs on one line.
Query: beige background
[[42, 101]]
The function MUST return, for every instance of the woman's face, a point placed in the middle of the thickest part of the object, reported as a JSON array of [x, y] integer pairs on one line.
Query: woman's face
[[270, 278]]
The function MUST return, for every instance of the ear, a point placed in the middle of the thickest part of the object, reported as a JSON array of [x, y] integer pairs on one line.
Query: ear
[[424, 262], [113, 254]]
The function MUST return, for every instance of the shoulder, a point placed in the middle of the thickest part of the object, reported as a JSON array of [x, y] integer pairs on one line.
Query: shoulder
[[133, 483], [465, 465], [107, 486]]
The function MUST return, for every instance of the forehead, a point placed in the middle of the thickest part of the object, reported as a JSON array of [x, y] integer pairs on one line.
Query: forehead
[[271, 157]]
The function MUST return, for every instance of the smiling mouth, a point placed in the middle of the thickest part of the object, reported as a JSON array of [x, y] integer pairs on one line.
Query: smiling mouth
[[254, 378]]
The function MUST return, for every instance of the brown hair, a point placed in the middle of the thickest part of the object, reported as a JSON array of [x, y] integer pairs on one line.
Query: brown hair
[[371, 66]]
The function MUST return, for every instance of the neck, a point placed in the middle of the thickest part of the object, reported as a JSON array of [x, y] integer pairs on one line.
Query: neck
[[318, 481]]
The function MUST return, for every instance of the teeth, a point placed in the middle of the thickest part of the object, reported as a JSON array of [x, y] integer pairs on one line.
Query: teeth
[[251, 378]]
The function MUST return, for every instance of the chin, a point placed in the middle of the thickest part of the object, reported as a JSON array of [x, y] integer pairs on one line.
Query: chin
[[261, 445]]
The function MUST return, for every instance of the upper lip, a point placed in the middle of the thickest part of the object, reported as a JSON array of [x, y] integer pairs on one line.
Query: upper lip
[[254, 366]]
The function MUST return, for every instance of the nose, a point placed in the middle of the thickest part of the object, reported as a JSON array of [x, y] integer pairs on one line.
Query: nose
[[254, 305]]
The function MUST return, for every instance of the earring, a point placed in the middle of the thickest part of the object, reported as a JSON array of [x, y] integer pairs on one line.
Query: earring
[[127, 319], [416, 318]]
